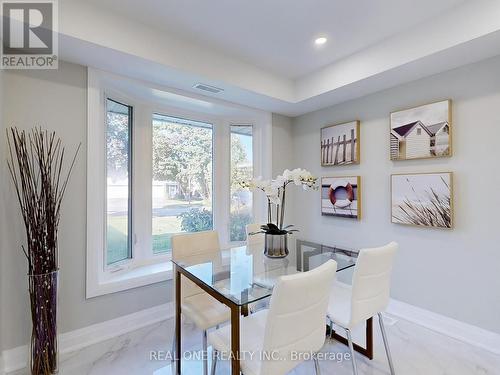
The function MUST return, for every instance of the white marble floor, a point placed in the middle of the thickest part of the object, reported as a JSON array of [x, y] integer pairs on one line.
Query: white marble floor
[[416, 351]]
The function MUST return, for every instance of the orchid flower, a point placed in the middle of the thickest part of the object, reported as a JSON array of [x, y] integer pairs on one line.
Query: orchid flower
[[275, 191]]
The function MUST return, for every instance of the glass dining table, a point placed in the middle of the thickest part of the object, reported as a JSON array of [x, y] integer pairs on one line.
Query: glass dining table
[[243, 275]]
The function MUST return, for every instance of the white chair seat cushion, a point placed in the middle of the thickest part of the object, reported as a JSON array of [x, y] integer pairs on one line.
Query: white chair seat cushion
[[252, 330], [205, 311], [339, 307]]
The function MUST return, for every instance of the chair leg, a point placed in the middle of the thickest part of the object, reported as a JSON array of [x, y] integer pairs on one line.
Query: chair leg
[[351, 347], [215, 355], [386, 343], [316, 366], [331, 329], [204, 354]]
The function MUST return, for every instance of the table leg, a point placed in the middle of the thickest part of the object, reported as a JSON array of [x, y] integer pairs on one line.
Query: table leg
[[244, 310], [369, 338], [235, 340], [178, 355]]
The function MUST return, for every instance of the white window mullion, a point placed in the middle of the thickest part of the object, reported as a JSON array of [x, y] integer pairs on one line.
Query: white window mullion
[[96, 180], [141, 190], [262, 151], [222, 165]]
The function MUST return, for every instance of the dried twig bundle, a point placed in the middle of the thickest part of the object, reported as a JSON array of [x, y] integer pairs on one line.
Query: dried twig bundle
[[36, 165]]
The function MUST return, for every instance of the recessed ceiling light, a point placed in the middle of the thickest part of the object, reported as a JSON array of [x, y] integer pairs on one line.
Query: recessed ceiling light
[[320, 41]]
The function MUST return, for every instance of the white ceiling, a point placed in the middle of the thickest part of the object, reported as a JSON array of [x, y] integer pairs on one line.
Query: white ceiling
[[261, 52], [277, 35]]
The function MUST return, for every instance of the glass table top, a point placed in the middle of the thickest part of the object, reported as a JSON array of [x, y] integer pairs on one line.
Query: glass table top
[[245, 275]]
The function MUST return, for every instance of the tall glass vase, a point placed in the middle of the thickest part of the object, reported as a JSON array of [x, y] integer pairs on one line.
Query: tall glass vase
[[276, 245], [44, 356]]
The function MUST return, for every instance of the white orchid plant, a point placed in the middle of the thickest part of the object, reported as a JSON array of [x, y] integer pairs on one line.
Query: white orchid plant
[[275, 191]]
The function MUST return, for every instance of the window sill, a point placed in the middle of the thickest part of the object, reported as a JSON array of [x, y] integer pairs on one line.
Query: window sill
[[129, 278]]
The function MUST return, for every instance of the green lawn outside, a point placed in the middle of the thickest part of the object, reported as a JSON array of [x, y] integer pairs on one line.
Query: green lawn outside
[[163, 229], [117, 246]]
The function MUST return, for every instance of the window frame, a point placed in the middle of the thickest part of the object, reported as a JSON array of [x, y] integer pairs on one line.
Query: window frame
[[130, 200], [145, 267], [140, 269]]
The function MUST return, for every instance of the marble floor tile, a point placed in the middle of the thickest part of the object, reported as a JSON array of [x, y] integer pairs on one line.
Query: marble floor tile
[[416, 351]]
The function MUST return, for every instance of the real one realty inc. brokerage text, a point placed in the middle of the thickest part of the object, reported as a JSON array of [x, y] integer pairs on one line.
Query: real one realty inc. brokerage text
[[198, 355]]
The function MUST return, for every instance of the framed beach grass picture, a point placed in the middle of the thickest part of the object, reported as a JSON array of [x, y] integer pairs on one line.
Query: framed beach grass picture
[[421, 132], [423, 199]]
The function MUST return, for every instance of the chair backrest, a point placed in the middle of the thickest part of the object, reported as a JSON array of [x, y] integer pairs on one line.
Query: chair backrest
[[255, 239], [371, 281], [193, 244], [296, 318]]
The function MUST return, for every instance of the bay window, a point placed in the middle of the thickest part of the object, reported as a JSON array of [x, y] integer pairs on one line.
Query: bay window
[[159, 165]]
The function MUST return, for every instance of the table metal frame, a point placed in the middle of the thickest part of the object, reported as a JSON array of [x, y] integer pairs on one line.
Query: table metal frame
[[235, 319]]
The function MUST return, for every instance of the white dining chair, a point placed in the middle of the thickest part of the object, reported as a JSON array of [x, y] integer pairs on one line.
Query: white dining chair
[[254, 239], [197, 305], [368, 296], [294, 323]]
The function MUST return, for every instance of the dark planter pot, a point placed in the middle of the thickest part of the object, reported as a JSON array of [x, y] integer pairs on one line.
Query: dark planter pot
[[44, 356], [276, 245]]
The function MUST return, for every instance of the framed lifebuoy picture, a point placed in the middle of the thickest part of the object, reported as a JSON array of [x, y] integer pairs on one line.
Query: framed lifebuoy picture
[[341, 196], [423, 199], [340, 144]]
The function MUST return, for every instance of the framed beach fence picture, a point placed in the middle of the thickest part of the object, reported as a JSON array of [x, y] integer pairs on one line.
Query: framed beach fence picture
[[341, 196], [422, 132], [340, 144], [424, 199]]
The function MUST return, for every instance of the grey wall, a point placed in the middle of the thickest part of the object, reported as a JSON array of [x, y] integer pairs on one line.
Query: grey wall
[[452, 272], [57, 100], [283, 155], [282, 144]]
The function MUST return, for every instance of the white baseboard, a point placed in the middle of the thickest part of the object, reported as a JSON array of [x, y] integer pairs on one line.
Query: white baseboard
[[16, 359], [456, 329]]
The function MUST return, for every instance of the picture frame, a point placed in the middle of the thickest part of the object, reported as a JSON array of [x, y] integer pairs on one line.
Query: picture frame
[[341, 197], [422, 132], [423, 199], [340, 144]]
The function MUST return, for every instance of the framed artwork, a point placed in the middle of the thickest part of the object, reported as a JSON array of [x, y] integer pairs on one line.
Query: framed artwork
[[424, 199], [341, 196], [340, 144], [421, 132]]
